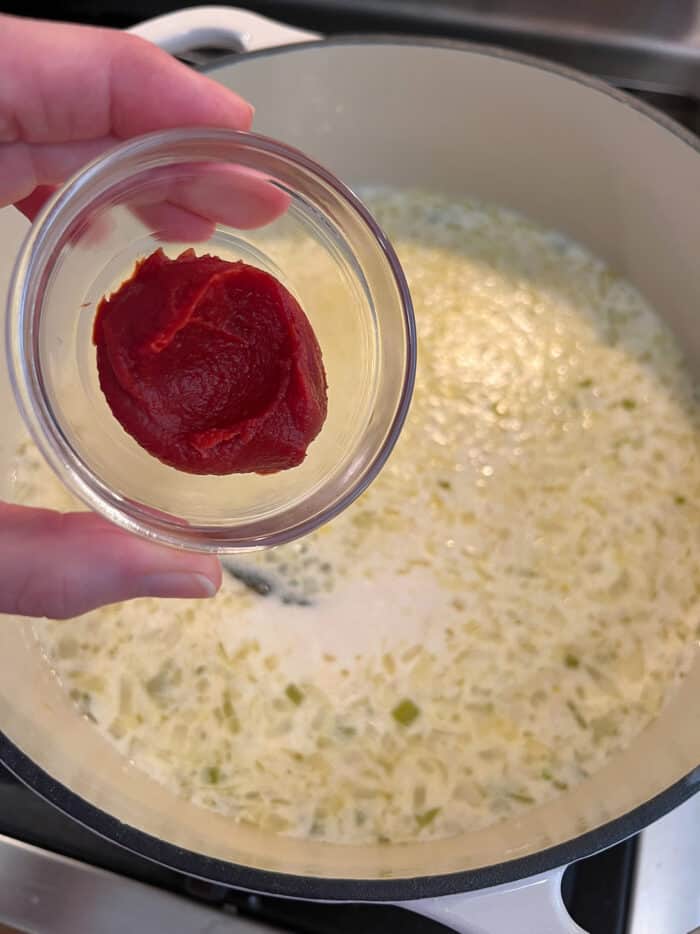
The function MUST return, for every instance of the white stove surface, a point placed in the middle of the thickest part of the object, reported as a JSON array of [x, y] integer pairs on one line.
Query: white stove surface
[[666, 897]]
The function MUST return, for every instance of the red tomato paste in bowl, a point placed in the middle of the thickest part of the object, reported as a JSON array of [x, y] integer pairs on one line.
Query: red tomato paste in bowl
[[211, 365]]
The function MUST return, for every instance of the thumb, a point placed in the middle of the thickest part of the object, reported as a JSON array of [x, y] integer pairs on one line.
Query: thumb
[[61, 565]]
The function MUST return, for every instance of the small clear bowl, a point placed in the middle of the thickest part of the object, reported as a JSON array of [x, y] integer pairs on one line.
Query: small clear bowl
[[238, 196]]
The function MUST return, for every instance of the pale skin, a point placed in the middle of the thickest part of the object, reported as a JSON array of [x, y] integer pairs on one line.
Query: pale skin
[[68, 93]]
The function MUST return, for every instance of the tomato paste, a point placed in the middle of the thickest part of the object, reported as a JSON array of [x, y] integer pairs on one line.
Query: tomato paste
[[211, 365]]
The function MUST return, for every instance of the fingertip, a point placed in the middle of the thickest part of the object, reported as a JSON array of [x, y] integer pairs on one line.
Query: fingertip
[[176, 584], [249, 116], [209, 588], [170, 93], [206, 567], [222, 106]]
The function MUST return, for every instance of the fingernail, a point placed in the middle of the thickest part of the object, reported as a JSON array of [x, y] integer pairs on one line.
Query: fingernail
[[177, 584]]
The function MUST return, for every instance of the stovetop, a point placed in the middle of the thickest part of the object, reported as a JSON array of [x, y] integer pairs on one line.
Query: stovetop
[[647, 885]]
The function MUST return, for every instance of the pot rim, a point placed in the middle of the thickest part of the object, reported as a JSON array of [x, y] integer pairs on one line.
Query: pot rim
[[315, 888]]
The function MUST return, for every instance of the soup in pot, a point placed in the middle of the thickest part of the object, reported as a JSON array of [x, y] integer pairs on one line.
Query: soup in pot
[[508, 606]]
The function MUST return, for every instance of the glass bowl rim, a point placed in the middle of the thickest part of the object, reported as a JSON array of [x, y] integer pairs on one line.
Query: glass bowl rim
[[24, 367]]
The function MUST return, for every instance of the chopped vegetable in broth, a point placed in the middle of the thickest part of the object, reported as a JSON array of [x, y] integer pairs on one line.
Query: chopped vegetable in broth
[[507, 607]]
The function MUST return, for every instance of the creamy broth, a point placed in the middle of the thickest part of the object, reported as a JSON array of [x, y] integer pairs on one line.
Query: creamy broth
[[507, 607]]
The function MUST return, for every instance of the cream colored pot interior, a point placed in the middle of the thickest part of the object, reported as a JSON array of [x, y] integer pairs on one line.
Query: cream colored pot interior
[[463, 123]]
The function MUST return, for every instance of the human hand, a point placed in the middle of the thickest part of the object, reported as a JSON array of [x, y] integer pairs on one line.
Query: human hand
[[68, 93]]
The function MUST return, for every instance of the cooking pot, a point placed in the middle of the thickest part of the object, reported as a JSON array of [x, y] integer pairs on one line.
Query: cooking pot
[[461, 119]]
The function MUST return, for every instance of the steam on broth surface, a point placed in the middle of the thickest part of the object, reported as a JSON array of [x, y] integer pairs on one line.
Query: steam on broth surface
[[506, 608]]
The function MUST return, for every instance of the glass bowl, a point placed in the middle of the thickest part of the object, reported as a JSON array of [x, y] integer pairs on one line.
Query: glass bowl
[[238, 196]]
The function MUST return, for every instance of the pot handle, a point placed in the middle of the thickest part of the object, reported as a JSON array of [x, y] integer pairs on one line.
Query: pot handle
[[525, 907], [217, 27]]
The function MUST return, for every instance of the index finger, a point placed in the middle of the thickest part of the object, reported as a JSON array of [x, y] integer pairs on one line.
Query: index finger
[[63, 83]]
